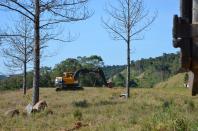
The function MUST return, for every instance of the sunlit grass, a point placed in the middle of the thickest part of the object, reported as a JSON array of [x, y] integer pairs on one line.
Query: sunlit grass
[[101, 109]]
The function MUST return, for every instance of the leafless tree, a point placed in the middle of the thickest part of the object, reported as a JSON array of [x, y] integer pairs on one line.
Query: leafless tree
[[44, 14], [127, 19], [18, 49]]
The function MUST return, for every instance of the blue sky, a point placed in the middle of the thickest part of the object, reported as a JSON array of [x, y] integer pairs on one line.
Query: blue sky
[[94, 40]]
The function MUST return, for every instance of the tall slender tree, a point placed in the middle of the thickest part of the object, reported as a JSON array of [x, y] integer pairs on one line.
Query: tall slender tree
[[18, 49], [127, 19], [44, 14]]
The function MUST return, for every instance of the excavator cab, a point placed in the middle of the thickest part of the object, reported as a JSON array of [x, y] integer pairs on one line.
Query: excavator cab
[[68, 78], [67, 82]]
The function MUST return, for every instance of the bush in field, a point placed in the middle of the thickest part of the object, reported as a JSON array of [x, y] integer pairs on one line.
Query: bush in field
[[167, 104], [190, 105], [82, 104], [77, 115], [181, 124]]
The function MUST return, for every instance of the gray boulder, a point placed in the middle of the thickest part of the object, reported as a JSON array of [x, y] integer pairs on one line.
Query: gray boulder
[[39, 106], [12, 112], [29, 108]]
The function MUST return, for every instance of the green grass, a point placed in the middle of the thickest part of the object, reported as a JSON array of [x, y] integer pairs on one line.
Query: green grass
[[101, 109]]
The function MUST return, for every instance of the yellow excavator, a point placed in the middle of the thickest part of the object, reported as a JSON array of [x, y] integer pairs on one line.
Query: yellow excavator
[[69, 80]]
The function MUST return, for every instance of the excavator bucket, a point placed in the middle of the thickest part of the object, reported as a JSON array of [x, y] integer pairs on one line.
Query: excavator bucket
[[110, 84]]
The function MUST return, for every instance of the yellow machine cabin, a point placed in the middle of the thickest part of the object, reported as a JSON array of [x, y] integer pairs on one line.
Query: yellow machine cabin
[[68, 78], [67, 81]]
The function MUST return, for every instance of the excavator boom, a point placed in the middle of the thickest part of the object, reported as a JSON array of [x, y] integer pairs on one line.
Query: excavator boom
[[94, 70]]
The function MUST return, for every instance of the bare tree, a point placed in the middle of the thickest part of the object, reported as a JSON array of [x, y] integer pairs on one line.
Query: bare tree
[[18, 49], [44, 14], [127, 20]]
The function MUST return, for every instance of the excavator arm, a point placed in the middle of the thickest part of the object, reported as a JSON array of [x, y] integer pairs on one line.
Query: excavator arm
[[95, 70]]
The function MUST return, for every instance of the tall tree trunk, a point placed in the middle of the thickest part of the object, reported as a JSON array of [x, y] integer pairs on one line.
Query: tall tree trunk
[[36, 78], [128, 51], [25, 61], [128, 70], [24, 78]]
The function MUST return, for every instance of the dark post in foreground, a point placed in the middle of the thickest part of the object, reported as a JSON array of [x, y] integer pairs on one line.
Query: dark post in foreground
[[185, 36]]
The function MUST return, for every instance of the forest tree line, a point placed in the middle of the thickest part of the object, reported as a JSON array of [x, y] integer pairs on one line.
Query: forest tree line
[[144, 72]]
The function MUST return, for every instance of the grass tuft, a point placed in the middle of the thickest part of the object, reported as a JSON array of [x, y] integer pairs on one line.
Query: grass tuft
[[82, 104], [77, 115]]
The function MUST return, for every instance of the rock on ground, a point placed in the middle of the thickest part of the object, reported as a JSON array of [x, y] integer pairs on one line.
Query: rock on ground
[[28, 108], [41, 105], [12, 112]]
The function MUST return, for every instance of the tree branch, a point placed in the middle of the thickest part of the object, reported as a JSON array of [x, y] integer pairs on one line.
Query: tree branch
[[17, 3], [13, 9]]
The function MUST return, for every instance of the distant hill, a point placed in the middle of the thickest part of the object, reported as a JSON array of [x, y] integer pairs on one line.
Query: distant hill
[[148, 72], [113, 70], [173, 82], [2, 77]]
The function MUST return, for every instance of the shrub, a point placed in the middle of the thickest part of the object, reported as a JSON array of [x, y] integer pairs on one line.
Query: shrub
[[190, 105], [82, 104], [181, 124], [106, 102], [167, 104], [78, 115]]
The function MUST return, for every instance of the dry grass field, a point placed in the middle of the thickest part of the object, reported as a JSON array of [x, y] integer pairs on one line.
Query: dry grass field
[[101, 109]]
